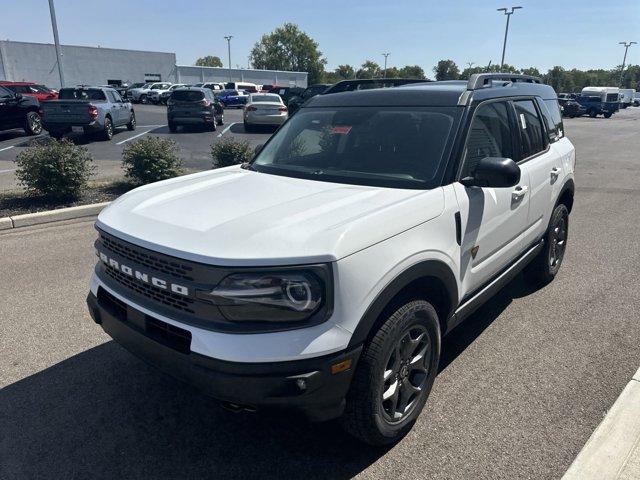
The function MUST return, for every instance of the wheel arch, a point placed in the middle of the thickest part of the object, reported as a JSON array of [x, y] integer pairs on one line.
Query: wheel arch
[[431, 280], [566, 194]]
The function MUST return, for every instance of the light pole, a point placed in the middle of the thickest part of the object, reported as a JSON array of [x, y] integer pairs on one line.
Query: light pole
[[56, 40], [624, 60], [506, 30], [228, 39], [385, 55]]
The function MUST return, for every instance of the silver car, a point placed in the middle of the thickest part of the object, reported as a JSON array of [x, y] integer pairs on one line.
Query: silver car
[[264, 109]]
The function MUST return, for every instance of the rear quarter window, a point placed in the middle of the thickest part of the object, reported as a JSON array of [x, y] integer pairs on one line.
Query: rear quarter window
[[552, 118]]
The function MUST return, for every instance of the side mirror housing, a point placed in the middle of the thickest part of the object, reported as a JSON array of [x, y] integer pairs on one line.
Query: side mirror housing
[[494, 172]]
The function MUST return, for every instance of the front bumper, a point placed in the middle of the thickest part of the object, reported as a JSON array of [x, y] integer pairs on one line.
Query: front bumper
[[307, 385]]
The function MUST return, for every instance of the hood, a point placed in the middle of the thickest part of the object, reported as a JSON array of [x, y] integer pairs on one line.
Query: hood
[[232, 216]]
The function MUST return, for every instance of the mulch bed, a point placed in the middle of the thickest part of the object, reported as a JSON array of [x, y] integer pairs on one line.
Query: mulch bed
[[17, 204]]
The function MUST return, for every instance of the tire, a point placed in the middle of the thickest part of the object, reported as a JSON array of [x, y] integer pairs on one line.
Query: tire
[[410, 331], [608, 115], [544, 268], [173, 128], [107, 132], [131, 126], [143, 99], [33, 123], [592, 113]]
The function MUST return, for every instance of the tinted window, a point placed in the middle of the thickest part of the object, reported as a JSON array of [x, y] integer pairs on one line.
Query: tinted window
[[5, 93], [553, 119], [489, 136], [266, 98], [382, 146], [117, 97], [81, 94], [531, 132], [187, 95]]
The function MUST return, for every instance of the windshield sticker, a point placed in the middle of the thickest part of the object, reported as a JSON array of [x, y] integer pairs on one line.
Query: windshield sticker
[[340, 130]]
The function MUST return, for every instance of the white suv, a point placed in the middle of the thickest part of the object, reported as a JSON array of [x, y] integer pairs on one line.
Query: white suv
[[322, 275], [140, 95]]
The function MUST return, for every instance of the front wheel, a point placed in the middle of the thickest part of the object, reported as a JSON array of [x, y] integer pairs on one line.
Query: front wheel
[[608, 115], [394, 375], [544, 268], [131, 126], [143, 99], [33, 124]]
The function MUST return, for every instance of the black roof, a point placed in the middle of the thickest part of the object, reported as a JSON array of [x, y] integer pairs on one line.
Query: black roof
[[439, 94]]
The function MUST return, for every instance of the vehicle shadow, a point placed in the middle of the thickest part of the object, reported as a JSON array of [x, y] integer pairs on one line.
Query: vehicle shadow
[[11, 134], [239, 128], [471, 328], [105, 414]]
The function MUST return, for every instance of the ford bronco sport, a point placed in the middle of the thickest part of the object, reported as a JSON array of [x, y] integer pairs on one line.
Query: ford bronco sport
[[322, 275]]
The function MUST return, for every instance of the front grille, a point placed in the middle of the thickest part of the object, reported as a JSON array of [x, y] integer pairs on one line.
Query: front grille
[[165, 297], [174, 268]]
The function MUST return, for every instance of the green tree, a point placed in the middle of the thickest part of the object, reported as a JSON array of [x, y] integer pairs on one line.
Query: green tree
[[345, 72], [533, 71], [289, 48], [411, 71], [446, 70], [209, 61], [369, 69]]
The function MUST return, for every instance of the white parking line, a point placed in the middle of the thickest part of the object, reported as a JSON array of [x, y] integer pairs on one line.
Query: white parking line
[[135, 136], [226, 129], [7, 148], [7, 171], [151, 126]]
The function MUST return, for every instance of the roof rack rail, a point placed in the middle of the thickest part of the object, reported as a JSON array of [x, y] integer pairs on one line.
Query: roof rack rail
[[481, 80]]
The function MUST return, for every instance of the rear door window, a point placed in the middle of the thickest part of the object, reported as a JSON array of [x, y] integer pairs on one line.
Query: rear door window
[[531, 130], [490, 135]]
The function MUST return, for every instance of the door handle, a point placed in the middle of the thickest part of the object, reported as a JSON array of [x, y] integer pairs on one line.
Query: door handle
[[519, 193], [555, 172]]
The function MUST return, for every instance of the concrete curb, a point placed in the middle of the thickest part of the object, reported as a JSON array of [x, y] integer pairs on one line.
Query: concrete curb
[[613, 450], [49, 216]]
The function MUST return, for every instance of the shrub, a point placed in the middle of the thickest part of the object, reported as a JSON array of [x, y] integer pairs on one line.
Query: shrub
[[58, 169], [229, 152], [151, 159]]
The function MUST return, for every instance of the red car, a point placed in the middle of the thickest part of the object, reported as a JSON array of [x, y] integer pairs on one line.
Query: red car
[[31, 89]]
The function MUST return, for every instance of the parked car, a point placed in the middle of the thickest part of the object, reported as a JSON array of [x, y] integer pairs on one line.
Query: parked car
[[287, 93], [232, 98], [87, 110], [19, 111], [247, 86], [596, 105], [31, 89], [131, 87], [120, 88], [140, 94], [626, 97], [571, 108], [311, 91], [214, 86], [264, 109], [194, 106], [165, 95], [636, 99], [323, 275], [155, 94]]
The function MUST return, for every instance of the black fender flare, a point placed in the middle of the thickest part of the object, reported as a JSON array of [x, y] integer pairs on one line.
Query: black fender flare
[[428, 268], [569, 186]]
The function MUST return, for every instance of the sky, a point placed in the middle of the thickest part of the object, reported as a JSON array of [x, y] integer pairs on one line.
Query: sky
[[571, 33]]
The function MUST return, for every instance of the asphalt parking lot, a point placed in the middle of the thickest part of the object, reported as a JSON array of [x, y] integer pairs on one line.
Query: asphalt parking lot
[[523, 382], [194, 144]]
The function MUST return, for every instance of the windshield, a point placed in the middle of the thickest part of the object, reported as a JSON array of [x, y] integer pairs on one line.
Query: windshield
[[81, 94], [265, 98], [401, 147]]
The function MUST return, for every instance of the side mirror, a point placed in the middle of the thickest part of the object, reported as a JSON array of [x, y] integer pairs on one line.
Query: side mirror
[[494, 172]]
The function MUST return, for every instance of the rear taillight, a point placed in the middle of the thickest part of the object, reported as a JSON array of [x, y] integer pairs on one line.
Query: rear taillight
[[251, 109], [204, 102], [93, 111], [283, 109]]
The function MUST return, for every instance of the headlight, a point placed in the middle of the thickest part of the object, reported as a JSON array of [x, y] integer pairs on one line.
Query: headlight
[[270, 296]]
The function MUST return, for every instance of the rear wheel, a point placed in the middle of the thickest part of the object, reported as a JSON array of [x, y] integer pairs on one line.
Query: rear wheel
[[107, 132], [592, 113], [132, 122], [545, 266], [394, 375], [33, 124]]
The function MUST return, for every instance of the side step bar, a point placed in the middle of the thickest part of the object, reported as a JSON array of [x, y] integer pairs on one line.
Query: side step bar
[[473, 303]]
